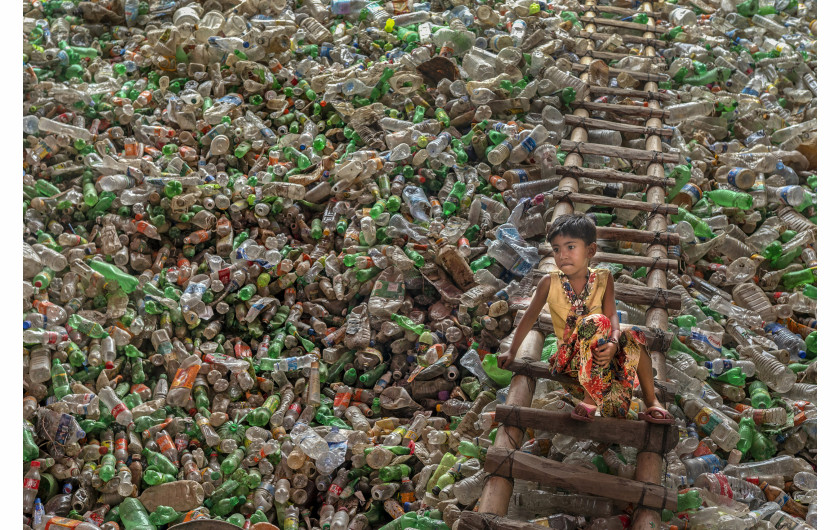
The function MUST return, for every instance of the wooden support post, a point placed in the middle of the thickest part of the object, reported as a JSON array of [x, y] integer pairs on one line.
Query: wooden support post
[[497, 490], [639, 434], [648, 463], [516, 464]]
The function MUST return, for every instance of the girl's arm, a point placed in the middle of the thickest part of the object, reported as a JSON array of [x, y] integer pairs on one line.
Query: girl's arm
[[605, 352], [609, 308], [528, 320]]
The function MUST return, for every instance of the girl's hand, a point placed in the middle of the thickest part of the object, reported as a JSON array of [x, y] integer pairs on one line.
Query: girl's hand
[[604, 354]]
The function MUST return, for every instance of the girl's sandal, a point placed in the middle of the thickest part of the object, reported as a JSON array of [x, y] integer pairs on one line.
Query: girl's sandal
[[657, 415], [584, 412]]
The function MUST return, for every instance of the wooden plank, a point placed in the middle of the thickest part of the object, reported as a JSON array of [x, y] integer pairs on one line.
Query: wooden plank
[[612, 175], [633, 39], [613, 72], [665, 264], [594, 123], [635, 26], [614, 233], [612, 202], [615, 56], [648, 296], [635, 433], [624, 110], [485, 521], [629, 93], [516, 464], [621, 152], [625, 11]]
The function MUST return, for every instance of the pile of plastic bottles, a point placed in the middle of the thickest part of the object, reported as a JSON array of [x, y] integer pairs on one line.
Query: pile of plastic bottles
[[269, 249]]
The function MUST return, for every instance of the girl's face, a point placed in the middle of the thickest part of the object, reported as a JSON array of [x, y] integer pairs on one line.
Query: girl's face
[[572, 255]]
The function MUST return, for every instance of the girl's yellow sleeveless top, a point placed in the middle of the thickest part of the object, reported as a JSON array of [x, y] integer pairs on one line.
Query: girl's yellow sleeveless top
[[560, 306]]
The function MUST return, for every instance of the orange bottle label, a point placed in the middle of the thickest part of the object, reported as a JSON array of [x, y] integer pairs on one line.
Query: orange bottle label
[[185, 377]]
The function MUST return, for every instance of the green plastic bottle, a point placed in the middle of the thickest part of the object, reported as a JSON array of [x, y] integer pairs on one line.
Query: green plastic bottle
[[60, 381], [127, 282], [134, 516], [701, 229], [730, 199], [792, 280], [760, 395]]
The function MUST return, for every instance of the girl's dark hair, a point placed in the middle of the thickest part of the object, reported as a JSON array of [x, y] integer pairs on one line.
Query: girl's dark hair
[[576, 225]]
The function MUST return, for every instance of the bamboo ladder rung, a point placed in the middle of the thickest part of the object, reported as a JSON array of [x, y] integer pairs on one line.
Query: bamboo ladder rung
[[629, 93], [613, 10], [612, 202], [634, 433], [621, 24], [614, 56], [613, 175], [627, 153], [632, 39], [613, 72], [516, 464], [594, 123], [624, 110], [486, 521]]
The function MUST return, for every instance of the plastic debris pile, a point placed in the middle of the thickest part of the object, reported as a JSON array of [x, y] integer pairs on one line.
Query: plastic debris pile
[[272, 249]]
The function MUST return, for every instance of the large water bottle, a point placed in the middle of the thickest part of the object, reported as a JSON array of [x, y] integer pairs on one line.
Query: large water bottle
[[528, 256], [418, 204], [786, 339], [776, 375], [695, 467]]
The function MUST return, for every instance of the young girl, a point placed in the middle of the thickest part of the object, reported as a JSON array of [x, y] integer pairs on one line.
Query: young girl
[[591, 347]]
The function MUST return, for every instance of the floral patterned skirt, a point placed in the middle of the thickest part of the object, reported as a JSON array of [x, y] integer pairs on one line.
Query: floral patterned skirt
[[610, 386]]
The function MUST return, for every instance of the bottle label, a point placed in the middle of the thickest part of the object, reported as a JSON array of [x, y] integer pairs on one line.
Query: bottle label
[[692, 191], [119, 409], [529, 144], [335, 489], [713, 340], [62, 433], [732, 176], [707, 420], [56, 523], [783, 193], [164, 443], [725, 489], [31, 483], [521, 175], [185, 377]]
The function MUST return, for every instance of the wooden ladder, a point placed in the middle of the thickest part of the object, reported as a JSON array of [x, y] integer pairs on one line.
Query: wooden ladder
[[504, 461]]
